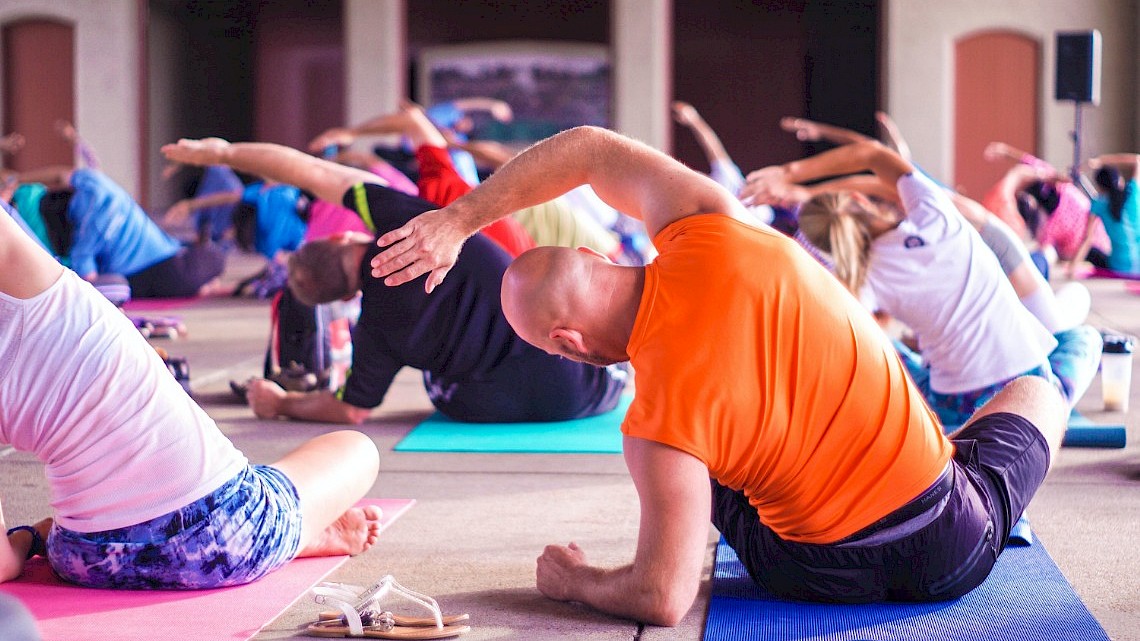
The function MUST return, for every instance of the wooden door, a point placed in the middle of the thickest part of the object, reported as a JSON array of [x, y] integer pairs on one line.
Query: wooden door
[[996, 97], [38, 89]]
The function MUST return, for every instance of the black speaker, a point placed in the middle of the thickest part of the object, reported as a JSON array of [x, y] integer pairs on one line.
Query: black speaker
[[1078, 66]]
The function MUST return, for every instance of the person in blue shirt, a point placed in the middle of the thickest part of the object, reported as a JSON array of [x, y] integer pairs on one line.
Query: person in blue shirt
[[1117, 207], [107, 232]]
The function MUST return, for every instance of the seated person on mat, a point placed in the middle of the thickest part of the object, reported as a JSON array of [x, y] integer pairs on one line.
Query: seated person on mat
[[925, 265], [106, 232], [475, 368], [1117, 209], [147, 492], [831, 478]]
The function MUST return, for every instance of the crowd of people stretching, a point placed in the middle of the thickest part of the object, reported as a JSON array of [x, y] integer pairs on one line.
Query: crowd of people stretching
[[861, 374]]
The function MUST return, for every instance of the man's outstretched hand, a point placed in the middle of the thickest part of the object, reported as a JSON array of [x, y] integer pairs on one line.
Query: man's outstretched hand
[[207, 151], [426, 244]]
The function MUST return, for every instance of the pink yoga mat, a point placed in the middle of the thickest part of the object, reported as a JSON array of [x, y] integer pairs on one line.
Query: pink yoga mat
[[69, 613], [158, 304]]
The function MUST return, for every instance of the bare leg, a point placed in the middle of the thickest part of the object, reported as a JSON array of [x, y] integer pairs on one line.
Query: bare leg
[[1038, 401], [331, 472]]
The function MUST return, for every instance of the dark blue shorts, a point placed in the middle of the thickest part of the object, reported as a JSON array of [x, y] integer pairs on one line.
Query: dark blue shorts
[[529, 387], [999, 462], [181, 275]]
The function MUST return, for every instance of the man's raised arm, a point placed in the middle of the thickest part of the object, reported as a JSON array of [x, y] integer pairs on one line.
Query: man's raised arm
[[327, 180], [628, 175]]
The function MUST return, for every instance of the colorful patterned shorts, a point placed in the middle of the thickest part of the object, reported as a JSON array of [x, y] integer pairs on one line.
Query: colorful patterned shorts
[[244, 530]]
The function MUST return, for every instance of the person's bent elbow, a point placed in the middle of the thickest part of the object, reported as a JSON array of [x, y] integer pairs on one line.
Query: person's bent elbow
[[668, 606]]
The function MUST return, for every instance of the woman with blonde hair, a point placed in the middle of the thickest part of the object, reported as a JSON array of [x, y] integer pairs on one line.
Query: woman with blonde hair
[[925, 264]]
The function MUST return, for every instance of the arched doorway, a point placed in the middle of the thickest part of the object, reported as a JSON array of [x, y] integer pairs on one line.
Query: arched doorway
[[39, 89], [996, 97]]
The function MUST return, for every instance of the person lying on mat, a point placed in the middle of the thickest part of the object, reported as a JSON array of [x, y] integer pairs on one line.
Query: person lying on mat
[[831, 477], [475, 367], [147, 492]]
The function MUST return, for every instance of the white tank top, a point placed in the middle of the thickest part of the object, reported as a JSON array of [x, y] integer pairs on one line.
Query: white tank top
[[82, 390]]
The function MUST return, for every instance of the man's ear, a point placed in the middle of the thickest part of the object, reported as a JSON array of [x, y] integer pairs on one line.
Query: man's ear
[[595, 253], [571, 338]]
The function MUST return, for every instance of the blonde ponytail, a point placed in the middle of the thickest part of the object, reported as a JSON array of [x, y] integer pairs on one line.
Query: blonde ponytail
[[837, 224]]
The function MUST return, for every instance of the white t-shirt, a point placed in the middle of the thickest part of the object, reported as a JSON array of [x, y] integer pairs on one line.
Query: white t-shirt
[[82, 390], [935, 274]]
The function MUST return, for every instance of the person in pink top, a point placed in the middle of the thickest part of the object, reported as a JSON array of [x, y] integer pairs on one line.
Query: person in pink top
[[1060, 207]]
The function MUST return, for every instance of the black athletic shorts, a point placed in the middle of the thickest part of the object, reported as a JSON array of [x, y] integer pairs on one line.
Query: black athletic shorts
[[999, 462]]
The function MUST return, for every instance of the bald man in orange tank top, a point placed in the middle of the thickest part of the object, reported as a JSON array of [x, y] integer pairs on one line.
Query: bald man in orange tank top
[[830, 476]]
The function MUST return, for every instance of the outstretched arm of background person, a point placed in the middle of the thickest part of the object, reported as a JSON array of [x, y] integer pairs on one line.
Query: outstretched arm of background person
[[84, 152], [409, 121], [865, 184], [500, 110], [886, 165], [1128, 164], [660, 585], [487, 153], [810, 131], [182, 209], [327, 180], [628, 175], [687, 115], [268, 400], [997, 150], [892, 135]]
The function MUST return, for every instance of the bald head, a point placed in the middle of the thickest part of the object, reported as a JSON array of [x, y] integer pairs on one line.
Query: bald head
[[573, 303]]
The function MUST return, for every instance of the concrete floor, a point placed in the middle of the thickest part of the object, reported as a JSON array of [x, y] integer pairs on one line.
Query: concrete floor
[[480, 520]]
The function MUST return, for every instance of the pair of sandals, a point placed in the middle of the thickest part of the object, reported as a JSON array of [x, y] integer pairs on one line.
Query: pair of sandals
[[359, 614]]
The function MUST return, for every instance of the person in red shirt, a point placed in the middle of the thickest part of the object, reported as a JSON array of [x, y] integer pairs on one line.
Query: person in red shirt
[[438, 181]]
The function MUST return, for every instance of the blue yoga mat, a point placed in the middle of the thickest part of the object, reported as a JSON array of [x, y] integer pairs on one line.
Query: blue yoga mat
[[1083, 432], [599, 434], [1025, 598]]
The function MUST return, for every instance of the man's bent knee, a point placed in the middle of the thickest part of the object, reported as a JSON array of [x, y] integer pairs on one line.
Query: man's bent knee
[[1039, 401]]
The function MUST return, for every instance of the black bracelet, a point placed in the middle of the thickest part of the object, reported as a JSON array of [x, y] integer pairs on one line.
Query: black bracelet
[[38, 546]]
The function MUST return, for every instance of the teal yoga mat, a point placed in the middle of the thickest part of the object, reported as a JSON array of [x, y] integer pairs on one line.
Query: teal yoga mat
[[1025, 598], [599, 434]]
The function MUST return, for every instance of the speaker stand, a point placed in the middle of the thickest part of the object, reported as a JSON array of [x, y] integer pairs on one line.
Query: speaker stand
[[1075, 170]]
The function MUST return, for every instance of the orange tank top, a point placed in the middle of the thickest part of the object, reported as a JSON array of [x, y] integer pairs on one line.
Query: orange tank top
[[751, 357]]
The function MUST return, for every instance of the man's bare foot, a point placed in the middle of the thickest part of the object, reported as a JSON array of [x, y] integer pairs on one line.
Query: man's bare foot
[[354, 532]]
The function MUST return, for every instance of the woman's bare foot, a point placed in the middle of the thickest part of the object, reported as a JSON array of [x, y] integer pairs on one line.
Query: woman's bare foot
[[216, 288], [354, 532]]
